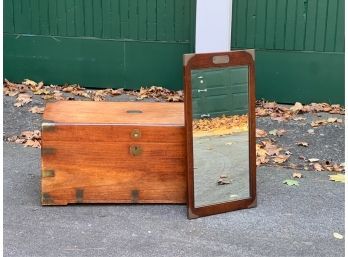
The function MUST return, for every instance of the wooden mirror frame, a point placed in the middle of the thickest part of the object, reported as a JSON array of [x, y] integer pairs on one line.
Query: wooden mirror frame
[[219, 60]]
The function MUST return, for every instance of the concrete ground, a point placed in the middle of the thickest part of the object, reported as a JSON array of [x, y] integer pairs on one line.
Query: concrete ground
[[215, 156], [288, 221]]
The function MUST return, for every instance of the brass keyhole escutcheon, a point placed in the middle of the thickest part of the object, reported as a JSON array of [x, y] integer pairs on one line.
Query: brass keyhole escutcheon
[[136, 134], [135, 150]]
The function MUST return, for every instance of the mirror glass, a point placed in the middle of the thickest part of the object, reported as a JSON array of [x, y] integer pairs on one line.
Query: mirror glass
[[220, 135]]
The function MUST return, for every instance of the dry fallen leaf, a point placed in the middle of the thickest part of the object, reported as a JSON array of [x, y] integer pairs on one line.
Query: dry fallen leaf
[[299, 118], [305, 144], [37, 109], [297, 107], [338, 178], [281, 159], [260, 133], [310, 131], [22, 99], [297, 175], [337, 235], [29, 82], [318, 167], [313, 160]]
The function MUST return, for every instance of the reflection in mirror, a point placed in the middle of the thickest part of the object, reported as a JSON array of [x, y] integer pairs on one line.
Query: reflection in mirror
[[220, 135]]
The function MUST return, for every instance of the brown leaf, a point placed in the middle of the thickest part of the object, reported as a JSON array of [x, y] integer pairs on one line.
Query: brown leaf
[[29, 82], [32, 143], [37, 109], [305, 144], [297, 175], [22, 99], [260, 133], [281, 158], [297, 107], [317, 123], [318, 167]]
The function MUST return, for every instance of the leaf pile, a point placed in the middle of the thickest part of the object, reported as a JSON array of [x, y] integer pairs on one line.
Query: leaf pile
[[160, 93], [266, 151], [221, 125], [283, 113], [28, 139]]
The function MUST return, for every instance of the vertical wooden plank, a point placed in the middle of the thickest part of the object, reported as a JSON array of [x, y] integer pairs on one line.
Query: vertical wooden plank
[[261, 15], [35, 17], [61, 18], [142, 7], [79, 18], [270, 24], [151, 20], [321, 26], [97, 18], [133, 19], [290, 29], [340, 27], [8, 17], [331, 26], [124, 18], [44, 22], [161, 20], [70, 17], [115, 19], [187, 21], [170, 19], [251, 24], [88, 13], [106, 8], [234, 23], [311, 23], [16, 13], [52, 15], [242, 23], [300, 24], [280, 25], [26, 17], [179, 20]]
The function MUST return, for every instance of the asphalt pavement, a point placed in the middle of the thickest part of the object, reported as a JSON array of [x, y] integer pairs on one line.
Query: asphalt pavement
[[288, 221]]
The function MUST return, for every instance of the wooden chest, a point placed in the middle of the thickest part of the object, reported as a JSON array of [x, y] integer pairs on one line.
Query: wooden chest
[[106, 152]]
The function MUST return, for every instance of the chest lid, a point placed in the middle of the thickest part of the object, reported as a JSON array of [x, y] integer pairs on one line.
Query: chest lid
[[125, 113]]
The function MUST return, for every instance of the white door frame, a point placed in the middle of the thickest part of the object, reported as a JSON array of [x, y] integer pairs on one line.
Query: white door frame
[[213, 26]]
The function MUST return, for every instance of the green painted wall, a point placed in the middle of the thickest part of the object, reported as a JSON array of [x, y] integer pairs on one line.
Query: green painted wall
[[97, 43], [300, 47]]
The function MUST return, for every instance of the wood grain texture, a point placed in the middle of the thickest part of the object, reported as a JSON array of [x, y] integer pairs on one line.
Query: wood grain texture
[[138, 113], [202, 61], [92, 162]]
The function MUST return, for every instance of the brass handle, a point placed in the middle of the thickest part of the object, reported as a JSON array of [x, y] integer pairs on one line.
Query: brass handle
[[135, 150]]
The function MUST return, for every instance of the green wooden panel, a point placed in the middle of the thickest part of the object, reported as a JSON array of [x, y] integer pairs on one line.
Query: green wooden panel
[[331, 26], [290, 29], [106, 17], [161, 20], [308, 25], [320, 33], [124, 16], [88, 13], [115, 19], [151, 20], [179, 21], [311, 25], [97, 19], [35, 17], [300, 25], [270, 23], [61, 18], [261, 14], [294, 76], [142, 7], [169, 20], [251, 24], [280, 25], [154, 63], [217, 92], [8, 17], [340, 27], [52, 14], [70, 18], [79, 18], [133, 19]]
